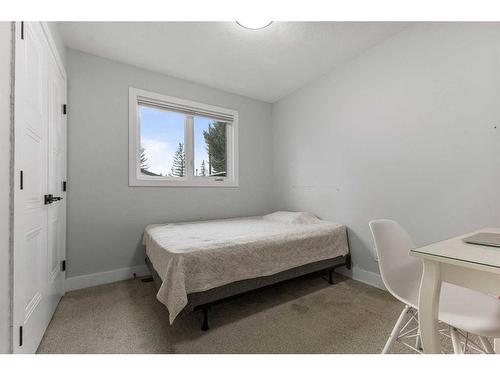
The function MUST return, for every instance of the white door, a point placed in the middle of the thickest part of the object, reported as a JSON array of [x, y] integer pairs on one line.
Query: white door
[[56, 227], [39, 159]]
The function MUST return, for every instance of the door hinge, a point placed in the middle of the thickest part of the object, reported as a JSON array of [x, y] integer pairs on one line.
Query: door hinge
[[22, 30], [20, 335], [63, 265], [21, 180], [64, 186], [64, 109]]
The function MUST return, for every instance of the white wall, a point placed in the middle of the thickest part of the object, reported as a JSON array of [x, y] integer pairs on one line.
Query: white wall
[[5, 73], [106, 217], [58, 41], [409, 130]]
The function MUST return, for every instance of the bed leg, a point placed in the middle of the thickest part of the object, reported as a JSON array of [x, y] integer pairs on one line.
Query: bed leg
[[330, 277], [348, 261], [204, 326]]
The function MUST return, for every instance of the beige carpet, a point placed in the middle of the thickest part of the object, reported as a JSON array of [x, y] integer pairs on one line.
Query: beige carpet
[[300, 316]]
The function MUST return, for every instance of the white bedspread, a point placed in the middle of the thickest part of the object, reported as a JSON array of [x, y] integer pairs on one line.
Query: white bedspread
[[197, 256]]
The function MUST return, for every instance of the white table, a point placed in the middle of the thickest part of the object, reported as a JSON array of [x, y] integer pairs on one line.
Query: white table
[[456, 262]]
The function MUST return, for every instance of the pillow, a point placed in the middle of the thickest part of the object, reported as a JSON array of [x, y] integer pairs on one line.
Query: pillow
[[288, 217]]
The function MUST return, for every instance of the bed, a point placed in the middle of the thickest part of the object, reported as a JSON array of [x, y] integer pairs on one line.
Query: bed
[[197, 264]]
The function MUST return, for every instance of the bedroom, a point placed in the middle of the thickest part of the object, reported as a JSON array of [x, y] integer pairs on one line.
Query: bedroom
[[233, 185]]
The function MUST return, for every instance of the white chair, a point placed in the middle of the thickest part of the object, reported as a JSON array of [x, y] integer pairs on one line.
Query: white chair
[[463, 310]]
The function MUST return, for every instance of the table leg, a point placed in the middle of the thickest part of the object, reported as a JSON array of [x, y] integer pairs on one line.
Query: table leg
[[428, 306]]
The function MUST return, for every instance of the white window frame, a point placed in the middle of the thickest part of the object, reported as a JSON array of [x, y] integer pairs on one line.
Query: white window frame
[[136, 178]]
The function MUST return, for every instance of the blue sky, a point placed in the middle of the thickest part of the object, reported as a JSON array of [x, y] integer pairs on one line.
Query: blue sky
[[161, 133]]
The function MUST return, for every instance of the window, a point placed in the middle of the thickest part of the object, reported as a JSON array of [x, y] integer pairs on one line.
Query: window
[[176, 142]]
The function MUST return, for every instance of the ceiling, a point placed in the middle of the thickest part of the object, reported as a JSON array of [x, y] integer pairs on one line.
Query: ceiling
[[265, 64]]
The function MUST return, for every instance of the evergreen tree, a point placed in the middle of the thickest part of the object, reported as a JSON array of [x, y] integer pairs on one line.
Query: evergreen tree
[[179, 165], [143, 159], [215, 139], [203, 169]]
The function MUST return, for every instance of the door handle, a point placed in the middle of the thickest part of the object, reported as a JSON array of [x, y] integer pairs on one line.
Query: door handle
[[49, 198]]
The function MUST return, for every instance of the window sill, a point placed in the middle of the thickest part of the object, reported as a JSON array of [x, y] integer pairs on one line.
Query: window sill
[[183, 183]]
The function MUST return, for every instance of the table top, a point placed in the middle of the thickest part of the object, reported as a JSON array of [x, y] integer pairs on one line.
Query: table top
[[456, 249]]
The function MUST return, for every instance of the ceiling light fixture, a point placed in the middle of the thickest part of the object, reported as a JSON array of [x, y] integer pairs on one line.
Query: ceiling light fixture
[[254, 25]]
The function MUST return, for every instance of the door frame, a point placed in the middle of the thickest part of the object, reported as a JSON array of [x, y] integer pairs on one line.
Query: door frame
[[15, 200]]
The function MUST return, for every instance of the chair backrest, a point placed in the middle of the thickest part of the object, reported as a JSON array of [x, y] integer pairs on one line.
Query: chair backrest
[[400, 271]]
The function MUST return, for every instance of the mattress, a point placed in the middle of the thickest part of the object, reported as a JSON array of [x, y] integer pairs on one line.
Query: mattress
[[197, 256]]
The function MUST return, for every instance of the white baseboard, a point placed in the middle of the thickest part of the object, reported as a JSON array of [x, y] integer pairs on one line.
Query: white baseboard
[[360, 274], [86, 281], [100, 278]]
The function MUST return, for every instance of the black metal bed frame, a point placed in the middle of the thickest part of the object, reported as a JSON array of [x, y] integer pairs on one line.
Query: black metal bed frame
[[205, 307]]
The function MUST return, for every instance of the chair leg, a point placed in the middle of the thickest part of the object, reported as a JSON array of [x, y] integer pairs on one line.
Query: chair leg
[[403, 318], [418, 341], [455, 340], [488, 348]]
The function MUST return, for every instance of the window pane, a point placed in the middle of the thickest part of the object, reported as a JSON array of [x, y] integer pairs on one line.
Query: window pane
[[162, 143], [209, 147]]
